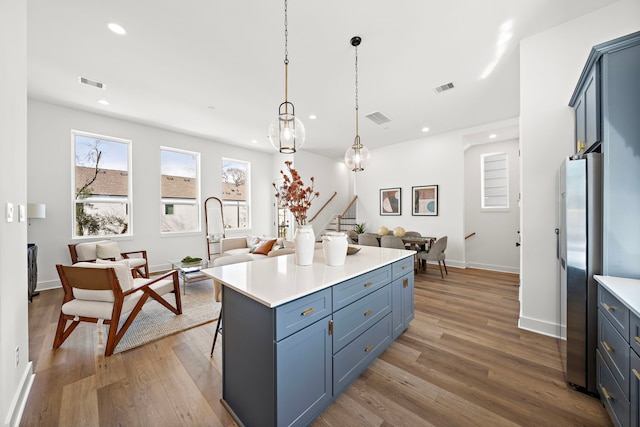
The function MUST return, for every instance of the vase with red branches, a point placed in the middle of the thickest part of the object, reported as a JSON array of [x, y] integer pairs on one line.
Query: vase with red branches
[[295, 196]]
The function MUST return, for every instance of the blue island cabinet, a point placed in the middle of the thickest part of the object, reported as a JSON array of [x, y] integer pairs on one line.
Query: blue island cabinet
[[283, 365]]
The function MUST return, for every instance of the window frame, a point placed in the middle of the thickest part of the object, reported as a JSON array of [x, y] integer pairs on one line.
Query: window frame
[[238, 203], [178, 201], [128, 200], [483, 186]]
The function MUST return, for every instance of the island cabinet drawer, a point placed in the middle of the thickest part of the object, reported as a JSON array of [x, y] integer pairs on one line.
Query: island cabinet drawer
[[614, 400], [349, 362], [353, 289], [634, 332], [356, 318], [615, 352], [296, 315], [615, 311], [402, 267]]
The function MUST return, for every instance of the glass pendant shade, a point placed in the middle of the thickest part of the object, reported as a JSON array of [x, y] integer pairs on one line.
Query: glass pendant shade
[[286, 132], [357, 156]]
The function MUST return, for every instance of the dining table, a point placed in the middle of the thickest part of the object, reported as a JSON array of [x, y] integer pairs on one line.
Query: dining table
[[423, 242], [418, 243]]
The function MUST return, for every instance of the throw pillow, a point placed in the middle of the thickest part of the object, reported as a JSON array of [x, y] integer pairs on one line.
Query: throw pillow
[[123, 272], [252, 240], [108, 250], [264, 247]]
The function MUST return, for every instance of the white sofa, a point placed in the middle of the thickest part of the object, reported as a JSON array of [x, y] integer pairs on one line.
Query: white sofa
[[248, 245], [241, 249]]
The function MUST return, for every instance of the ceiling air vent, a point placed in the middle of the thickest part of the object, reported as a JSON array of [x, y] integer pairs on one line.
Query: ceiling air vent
[[378, 118], [88, 82], [444, 87]]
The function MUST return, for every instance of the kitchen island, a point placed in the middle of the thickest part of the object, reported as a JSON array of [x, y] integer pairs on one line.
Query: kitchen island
[[296, 336]]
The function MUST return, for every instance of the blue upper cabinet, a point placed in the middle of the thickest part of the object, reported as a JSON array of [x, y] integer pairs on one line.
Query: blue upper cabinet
[[590, 95], [607, 106]]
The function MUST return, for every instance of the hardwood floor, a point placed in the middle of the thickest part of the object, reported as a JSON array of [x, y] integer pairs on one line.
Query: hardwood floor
[[461, 362]]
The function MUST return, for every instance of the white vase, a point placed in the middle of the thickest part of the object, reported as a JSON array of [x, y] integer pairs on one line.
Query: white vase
[[305, 242], [334, 248]]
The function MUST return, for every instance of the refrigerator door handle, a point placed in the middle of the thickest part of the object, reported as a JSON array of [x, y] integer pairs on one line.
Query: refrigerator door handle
[[557, 243]]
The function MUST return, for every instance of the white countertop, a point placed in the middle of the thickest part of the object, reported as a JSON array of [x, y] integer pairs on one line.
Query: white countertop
[[626, 290], [277, 280]]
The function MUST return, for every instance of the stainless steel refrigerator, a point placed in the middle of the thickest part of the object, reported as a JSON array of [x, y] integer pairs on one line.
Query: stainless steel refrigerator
[[580, 257]]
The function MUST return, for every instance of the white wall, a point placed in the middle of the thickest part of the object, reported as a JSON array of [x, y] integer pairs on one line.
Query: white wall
[[50, 166], [438, 160], [550, 65], [493, 246], [15, 380], [330, 176]]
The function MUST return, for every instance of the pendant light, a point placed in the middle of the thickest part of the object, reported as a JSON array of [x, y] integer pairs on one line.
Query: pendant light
[[357, 156], [286, 133]]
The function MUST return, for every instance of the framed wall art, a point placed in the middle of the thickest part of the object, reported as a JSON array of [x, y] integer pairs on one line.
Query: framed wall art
[[391, 201], [424, 200]]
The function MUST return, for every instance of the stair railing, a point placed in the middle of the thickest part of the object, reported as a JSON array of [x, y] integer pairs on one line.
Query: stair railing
[[323, 206]]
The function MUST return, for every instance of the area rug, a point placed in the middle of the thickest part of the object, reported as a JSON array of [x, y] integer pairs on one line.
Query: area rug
[[155, 321]]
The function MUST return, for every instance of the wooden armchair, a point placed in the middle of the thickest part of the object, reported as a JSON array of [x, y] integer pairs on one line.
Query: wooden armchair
[[107, 292], [108, 249]]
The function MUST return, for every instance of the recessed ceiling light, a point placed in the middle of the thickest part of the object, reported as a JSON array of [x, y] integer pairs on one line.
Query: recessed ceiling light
[[254, 141], [425, 129], [116, 28], [493, 135], [313, 116], [103, 102]]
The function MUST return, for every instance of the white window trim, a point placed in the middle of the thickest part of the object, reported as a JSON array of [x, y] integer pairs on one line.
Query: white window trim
[[173, 201], [501, 208], [247, 201], [127, 200]]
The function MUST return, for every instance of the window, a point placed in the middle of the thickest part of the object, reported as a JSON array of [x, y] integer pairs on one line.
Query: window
[[180, 190], [101, 185], [495, 180], [235, 193]]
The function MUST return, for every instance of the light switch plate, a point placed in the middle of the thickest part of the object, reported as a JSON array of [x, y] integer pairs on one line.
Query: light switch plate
[[9, 212], [22, 213]]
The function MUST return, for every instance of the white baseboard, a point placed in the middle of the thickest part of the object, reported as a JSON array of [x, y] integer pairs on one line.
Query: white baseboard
[[20, 399], [541, 327], [492, 267], [48, 284]]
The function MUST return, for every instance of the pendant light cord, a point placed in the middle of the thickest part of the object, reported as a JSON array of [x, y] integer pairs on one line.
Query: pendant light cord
[[357, 92], [286, 58]]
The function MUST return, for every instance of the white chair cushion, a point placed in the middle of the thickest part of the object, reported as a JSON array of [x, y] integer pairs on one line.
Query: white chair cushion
[[135, 262], [87, 251], [99, 309], [123, 273], [108, 250], [239, 251]]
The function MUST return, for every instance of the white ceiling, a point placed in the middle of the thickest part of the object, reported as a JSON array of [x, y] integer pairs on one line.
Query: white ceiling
[[215, 69]]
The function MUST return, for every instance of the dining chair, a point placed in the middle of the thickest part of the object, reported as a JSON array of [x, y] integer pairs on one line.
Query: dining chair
[[435, 253], [366, 239], [391, 242], [353, 236], [412, 246]]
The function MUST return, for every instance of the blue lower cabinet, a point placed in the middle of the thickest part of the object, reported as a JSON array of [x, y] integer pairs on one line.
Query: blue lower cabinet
[[402, 301], [635, 388], [349, 362], [304, 374], [283, 366], [611, 394]]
